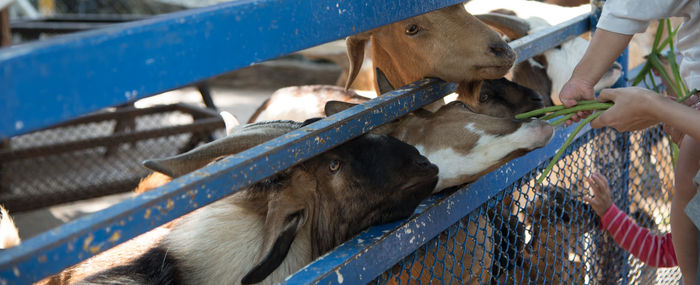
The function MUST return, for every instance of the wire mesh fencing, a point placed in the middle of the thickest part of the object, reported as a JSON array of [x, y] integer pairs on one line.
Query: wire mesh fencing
[[112, 7], [98, 155], [547, 234]]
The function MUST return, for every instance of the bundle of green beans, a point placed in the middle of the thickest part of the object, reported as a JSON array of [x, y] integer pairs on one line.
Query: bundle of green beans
[[565, 114], [675, 84]]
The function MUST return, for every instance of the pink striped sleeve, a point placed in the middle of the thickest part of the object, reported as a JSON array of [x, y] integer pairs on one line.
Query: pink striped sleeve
[[654, 250]]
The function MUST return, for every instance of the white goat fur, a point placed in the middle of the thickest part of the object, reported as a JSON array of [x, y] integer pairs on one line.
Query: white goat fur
[[220, 226], [9, 236], [488, 151]]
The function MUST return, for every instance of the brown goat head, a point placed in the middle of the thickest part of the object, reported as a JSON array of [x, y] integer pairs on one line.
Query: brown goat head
[[449, 44]]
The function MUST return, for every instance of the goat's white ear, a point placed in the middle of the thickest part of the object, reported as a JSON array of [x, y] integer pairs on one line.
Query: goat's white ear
[[334, 107], [383, 82], [287, 212], [356, 54]]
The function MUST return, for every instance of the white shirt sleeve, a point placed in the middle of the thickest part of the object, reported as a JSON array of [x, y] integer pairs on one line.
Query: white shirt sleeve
[[632, 16]]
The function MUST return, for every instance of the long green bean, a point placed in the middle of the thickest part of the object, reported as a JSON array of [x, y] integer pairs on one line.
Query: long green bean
[[574, 109], [566, 144]]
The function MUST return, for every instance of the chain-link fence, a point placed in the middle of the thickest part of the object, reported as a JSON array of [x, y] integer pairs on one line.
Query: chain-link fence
[[97, 155], [120, 7], [546, 234]]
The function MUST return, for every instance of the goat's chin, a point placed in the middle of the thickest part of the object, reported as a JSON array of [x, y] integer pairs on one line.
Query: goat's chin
[[493, 72]]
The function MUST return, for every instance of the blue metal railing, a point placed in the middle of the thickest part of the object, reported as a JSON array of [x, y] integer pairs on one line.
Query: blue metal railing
[[72, 75], [87, 71]]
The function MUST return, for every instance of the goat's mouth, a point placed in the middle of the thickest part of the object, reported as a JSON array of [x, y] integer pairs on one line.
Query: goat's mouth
[[424, 185], [493, 71]]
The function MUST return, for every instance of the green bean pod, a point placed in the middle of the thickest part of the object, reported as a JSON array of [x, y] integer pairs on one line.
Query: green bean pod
[[566, 144]]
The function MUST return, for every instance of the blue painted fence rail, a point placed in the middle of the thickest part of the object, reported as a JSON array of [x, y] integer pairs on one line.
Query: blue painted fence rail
[[50, 252], [155, 50], [70, 76]]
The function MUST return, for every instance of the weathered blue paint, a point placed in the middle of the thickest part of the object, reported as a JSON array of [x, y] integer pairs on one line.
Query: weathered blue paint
[[52, 251], [76, 74], [534, 44], [363, 258]]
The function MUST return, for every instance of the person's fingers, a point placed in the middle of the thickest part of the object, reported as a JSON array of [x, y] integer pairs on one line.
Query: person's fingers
[[607, 95], [594, 185], [598, 122], [588, 199], [569, 102], [602, 179]]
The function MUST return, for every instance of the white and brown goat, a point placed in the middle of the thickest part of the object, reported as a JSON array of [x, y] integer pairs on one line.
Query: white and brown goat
[[273, 228], [463, 143]]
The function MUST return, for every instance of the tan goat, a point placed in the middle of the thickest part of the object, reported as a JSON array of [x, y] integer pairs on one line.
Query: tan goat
[[449, 44]]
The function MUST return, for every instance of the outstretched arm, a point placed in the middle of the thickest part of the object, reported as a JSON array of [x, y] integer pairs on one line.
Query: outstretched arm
[[656, 251], [637, 108], [604, 48]]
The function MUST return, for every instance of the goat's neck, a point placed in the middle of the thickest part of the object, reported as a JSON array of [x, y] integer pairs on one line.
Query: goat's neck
[[217, 243], [410, 129], [396, 75], [331, 225], [468, 92]]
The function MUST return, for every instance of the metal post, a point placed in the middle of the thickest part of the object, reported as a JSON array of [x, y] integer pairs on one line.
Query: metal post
[[5, 32], [613, 265]]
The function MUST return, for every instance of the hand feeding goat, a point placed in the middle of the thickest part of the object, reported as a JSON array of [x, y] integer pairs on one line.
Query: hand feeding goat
[[283, 222], [548, 72]]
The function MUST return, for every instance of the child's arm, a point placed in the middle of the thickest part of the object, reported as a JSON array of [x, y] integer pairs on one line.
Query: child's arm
[[656, 251]]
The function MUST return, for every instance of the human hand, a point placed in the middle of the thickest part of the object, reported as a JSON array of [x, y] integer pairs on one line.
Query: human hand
[[675, 134], [576, 90], [633, 109], [601, 199]]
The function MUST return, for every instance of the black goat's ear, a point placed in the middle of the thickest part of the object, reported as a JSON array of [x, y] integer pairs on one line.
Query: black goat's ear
[[275, 248], [310, 121], [334, 107], [287, 212], [383, 82]]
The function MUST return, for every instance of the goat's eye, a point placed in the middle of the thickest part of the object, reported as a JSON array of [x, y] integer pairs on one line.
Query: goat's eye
[[483, 97], [413, 29], [334, 166]]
